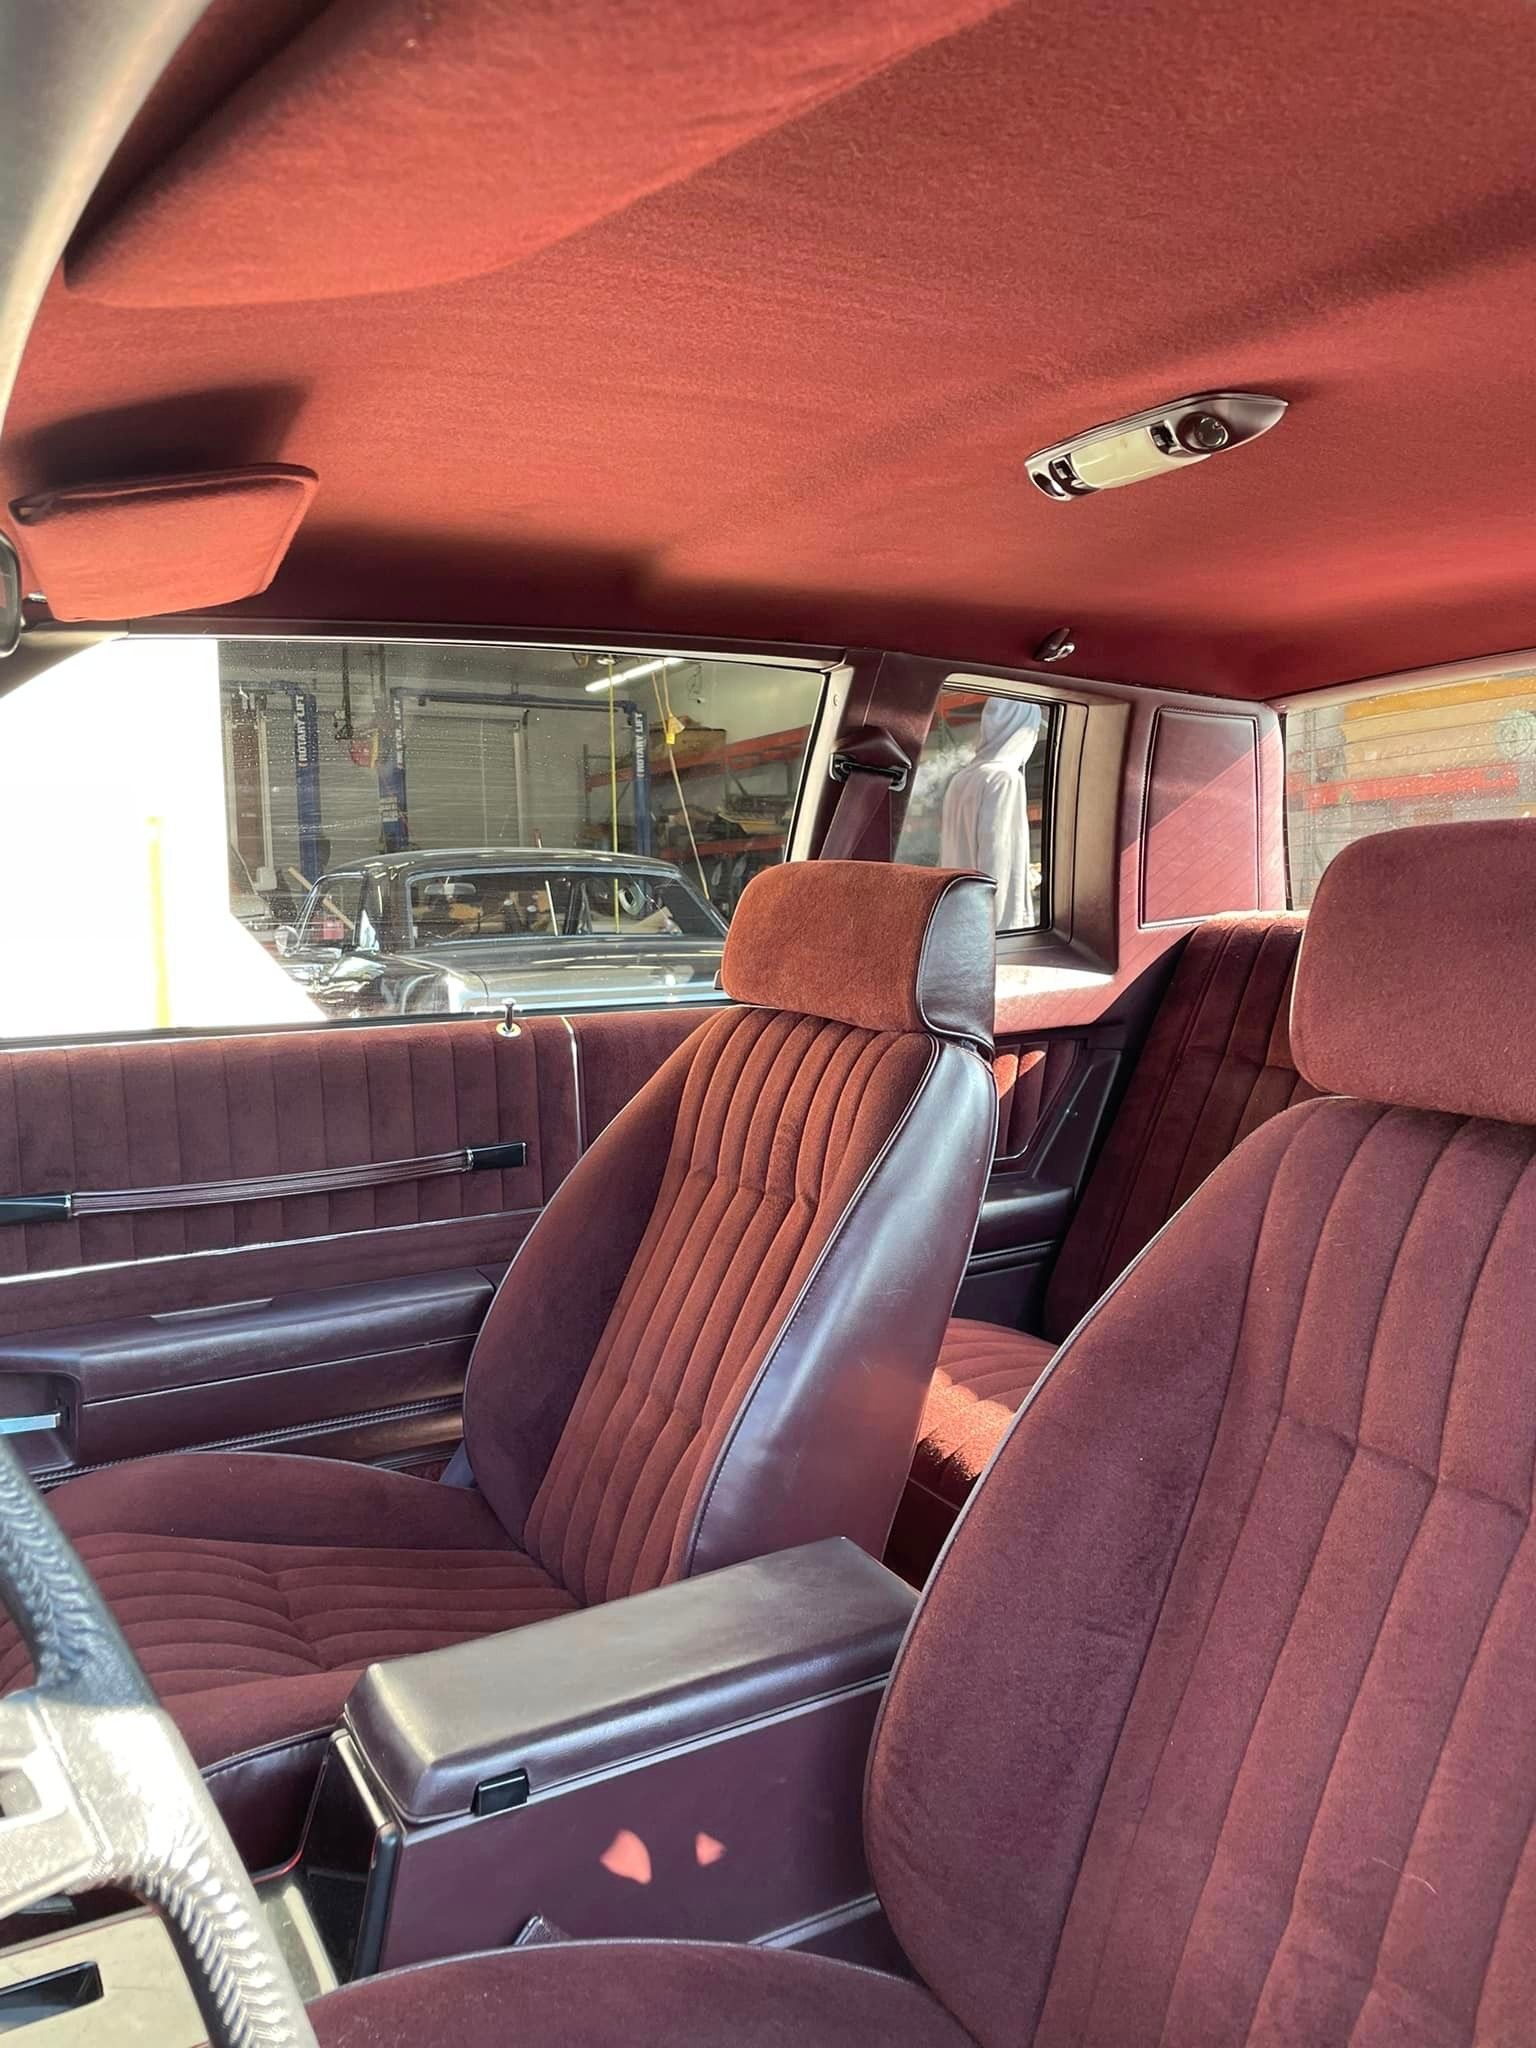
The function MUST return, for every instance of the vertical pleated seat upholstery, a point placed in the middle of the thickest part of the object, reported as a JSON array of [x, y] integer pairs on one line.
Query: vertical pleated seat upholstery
[[1234, 1651], [1213, 1728], [714, 1343], [781, 1118], [1266, 1527], [1217, 1065]]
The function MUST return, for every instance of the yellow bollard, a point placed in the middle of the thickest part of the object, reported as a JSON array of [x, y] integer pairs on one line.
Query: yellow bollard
[[159, 958]]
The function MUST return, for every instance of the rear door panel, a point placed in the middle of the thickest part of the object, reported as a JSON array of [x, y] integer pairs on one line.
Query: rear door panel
[[1030, 1072], [1055, 1089]]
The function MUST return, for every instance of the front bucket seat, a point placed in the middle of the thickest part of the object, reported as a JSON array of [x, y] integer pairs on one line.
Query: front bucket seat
[[714, 1343], [1214, 1726]]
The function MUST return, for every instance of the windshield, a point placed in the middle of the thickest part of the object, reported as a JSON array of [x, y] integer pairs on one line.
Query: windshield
[[460, 904]]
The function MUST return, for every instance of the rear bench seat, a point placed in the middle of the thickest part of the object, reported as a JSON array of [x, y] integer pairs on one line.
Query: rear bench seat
[[1217, 1064]]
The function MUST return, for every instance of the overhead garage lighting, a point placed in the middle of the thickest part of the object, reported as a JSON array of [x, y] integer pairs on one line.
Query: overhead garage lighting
[[1170, 437], [634, 675]]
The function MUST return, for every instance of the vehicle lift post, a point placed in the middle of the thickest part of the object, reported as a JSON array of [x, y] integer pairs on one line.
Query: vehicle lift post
[[304, 717]]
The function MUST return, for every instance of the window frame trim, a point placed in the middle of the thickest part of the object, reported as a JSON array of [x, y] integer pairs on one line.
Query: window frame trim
[[1490, 668], [312, 901]]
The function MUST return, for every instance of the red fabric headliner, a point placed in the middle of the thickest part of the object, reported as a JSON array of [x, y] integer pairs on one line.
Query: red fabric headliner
[[473, 138], [790, 392]]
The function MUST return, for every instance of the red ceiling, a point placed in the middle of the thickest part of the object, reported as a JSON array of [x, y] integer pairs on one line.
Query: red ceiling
[[747, 329]]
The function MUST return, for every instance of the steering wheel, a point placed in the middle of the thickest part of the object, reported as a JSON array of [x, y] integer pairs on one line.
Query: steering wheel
[[100, 1789]]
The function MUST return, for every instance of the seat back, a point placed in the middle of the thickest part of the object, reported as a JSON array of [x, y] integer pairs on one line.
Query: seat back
[[1217, 1063], [1216, 1720], [717, 1339]]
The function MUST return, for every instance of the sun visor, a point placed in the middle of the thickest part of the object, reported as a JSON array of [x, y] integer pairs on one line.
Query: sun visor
[[160, 544], [391, 145]]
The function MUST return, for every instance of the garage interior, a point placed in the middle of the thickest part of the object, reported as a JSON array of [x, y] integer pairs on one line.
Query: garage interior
[[336, 751]]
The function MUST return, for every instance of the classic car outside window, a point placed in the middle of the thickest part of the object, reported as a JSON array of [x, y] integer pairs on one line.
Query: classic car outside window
[[272, 814], [473, 938]]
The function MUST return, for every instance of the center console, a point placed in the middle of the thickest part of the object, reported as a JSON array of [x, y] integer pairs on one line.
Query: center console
[[684, 1763], [688, 1763]]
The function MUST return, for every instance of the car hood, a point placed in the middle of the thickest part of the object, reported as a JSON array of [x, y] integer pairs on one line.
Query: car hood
[[484, 957], [559, 970]]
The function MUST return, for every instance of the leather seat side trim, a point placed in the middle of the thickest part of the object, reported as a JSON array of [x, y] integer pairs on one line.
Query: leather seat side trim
[[882, 1223]]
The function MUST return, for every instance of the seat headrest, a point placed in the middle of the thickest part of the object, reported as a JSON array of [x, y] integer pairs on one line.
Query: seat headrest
[[1416, 983], [883, 947]]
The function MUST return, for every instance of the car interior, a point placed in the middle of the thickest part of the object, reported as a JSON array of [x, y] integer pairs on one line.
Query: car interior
[[964, 1480]]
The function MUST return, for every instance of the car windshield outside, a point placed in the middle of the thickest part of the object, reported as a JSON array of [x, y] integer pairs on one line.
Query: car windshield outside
[[469, 905]]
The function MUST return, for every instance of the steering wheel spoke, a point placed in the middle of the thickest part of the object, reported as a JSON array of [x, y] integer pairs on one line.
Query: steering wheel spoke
[[47, 1842]]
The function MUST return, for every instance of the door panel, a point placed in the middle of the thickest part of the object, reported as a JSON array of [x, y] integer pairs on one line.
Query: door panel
[[285, 1370], [338, 1319], [1054, 1094], [1030, 1072], [292, 1250], [93, 1120]]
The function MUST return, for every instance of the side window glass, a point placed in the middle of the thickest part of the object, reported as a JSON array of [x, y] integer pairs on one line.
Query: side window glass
[[1425, 756], [980, 796], [309, 830]]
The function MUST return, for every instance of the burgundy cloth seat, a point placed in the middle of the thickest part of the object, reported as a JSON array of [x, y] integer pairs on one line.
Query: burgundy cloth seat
[[255, 1588], [1213, 1727], [1217, 1064], [714, 1343], [636, 1994], [984, 1372]]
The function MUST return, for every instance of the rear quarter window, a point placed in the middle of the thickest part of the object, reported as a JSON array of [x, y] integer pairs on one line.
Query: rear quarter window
[[1422, 756]]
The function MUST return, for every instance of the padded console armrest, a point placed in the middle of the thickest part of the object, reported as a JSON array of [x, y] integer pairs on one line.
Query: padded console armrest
[[584, 1692]]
